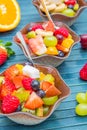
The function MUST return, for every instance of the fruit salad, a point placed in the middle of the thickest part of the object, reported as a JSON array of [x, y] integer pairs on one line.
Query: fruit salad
[[44, 39], [66, 7], [25, 88]]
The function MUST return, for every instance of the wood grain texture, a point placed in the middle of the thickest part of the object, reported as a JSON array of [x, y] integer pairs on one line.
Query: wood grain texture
[[64, 118]]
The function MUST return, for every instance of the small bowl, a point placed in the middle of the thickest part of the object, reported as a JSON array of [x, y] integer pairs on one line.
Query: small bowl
[[29, 119], [48, 59], [60, 17]]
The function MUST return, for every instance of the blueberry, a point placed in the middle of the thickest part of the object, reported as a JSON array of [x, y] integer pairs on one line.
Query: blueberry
[[19, 108], [40, 93], [35, 85], [29, 29], [70, 6], [61, 54]]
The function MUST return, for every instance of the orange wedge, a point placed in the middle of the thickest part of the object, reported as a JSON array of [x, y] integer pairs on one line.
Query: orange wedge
[[9, 15]]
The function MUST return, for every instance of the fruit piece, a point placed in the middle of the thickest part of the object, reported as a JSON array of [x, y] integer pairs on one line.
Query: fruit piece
[[31, 71], [36, 26], [62, 48], [81, 98], [5, 52], [42, 75], [50, 41], [31, 34], [28, 110], [11, 72], [26, 81], [10, 104], [25, 39], [59, 38], [22, 95], [68, 12], [37, 45], [76, 7], [70, 6], [8, 20], [83, 72], [18, 109], [17, 80], [49, 26], [45, 110], [49, 89], [49, 78], [39, 112], [20, 67], [35, 85], [7, 88], [61, 54], [81, 109], [83, 41], [62, 31], [2, 78], [40, 93], [52, 51], [33, 102], [70, 2], [50, 100], [67, 43]]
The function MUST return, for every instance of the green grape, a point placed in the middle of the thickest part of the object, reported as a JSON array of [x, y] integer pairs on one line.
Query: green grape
[[81, 98], [76, 7], [68, 12], [81, 109], [49, 78], [50, 41], [31, 34], [50, 100]]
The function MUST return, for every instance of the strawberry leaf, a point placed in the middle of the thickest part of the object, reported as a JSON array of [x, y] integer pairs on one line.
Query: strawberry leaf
[[10, 51]]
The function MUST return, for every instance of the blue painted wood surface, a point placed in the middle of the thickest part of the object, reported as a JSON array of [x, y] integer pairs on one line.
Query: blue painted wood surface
[[64, 117]]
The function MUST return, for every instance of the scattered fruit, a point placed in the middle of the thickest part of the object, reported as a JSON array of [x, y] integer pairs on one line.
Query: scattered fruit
[[8, 20], [83, 41], [83, 72], [81, 108], [5, 52]]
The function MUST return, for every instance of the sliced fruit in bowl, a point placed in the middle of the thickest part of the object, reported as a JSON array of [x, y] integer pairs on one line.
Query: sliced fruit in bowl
[[44, 41], [34, 97]]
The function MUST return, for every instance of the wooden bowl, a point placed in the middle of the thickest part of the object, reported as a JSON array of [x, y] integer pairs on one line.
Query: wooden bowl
[[29, 119], [60, 17], [48, 59]]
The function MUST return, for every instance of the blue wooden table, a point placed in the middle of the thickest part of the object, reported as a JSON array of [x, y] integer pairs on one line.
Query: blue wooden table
[[64, 117]]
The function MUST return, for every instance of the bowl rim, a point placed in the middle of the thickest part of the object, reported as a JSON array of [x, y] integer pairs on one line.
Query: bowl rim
[[53, 107], [46, 55]]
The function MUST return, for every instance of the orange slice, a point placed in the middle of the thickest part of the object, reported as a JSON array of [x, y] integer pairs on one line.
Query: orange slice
[[9, 15]]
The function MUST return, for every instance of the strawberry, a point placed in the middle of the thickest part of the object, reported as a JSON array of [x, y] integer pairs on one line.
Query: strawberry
[[10, 104], [62, 31], [83, 72], [11, 72], [36, 26], [5, 52], [7, 87], [26, 81]]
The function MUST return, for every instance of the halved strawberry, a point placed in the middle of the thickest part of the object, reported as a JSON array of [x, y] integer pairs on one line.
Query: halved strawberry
[[7, 87], [5, 52], [11, 72], [34, 101], [36, 26], [49, 89]]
